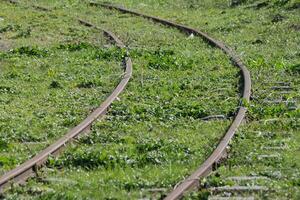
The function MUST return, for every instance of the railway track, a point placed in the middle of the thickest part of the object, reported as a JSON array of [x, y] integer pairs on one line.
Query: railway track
[[29, 168], [220, 151]]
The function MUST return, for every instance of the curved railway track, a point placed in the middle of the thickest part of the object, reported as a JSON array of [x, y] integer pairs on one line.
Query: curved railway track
[[220, 151], [30, 167]]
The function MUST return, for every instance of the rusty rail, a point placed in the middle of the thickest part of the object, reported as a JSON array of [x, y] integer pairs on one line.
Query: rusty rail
[[220, 151], [29, 168]]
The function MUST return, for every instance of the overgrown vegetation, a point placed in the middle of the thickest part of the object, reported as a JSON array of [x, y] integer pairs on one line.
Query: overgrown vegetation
[[47, 89], [154, 136]]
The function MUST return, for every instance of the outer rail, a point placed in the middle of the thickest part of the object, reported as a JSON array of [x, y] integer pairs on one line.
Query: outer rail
[[220, 151], [29, 168]]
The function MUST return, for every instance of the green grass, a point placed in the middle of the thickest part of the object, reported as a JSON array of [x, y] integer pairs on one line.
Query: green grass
[[46, 89], [156, 128], [154, 136]]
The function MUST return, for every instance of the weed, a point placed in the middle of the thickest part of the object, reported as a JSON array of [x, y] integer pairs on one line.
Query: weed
[[30, 51], [295, 68], [23, 33], [109, 54], [55, 84], [42, 102], [154, 136], [9, 27], [167, 60], [75, 46], [145, 152]]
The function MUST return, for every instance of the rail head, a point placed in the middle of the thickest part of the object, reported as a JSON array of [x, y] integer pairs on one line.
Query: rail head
[[205, 168], [28, 168]]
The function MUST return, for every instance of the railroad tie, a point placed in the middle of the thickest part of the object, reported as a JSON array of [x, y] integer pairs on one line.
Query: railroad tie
[[230, 198], [247, 178], [238, 189]]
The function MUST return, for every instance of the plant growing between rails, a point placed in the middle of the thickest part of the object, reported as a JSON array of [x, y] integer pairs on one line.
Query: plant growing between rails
[[132, 152]]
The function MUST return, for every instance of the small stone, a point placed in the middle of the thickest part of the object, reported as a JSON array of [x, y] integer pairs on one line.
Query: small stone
[[191, 36], [277, 174]]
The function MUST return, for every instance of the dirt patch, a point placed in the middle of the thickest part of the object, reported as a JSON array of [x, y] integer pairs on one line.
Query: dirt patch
[[4, 45]]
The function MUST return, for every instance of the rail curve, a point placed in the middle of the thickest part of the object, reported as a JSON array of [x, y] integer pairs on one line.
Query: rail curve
[[220, 151], [29, 168]]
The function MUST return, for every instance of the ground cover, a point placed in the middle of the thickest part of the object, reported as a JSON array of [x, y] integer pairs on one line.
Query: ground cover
[[155, 135], [48, 82], [266, 36]]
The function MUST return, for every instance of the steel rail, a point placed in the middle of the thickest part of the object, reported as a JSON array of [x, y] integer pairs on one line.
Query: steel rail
[[29, 168], [220, 151]]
